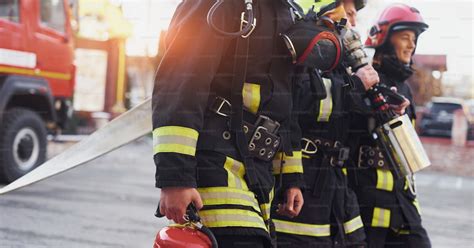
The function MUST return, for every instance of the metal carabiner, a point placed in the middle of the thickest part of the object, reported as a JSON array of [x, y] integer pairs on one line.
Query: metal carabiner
[[244, 31]]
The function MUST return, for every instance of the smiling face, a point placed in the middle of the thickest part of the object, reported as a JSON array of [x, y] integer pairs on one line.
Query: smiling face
[[404, 44]]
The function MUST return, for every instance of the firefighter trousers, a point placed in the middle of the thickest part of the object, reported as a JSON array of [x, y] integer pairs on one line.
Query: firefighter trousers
[[378, 237], [330, 215], [241, 241]]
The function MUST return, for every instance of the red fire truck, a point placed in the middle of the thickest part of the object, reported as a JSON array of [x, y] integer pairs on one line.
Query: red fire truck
[[36, 80]]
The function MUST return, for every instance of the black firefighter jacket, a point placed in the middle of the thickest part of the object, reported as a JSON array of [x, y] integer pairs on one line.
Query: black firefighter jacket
[[197, 66]]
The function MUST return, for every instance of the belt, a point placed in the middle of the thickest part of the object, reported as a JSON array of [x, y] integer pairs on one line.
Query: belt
[[334, 150], [261, 132], [371, 157]]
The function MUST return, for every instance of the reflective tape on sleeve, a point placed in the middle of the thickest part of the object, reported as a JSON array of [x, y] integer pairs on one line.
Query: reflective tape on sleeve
[[231, 218], [175, 139], [228, 196], [326, 104], [353, 225], [312, 230], [381, 217], [251, 97], [291, 164], [235, 173], [384, 180]]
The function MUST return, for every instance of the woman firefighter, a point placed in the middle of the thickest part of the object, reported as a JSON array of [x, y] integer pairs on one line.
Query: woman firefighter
[[388, 203]]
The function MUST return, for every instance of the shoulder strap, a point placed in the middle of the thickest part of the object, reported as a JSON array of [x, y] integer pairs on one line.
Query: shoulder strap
[[236, 121]]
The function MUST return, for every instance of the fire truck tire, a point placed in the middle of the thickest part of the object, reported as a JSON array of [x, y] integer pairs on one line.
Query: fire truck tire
[[22, 143]]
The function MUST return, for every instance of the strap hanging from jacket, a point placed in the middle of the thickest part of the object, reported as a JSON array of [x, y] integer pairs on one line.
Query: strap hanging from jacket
[[236, 121]]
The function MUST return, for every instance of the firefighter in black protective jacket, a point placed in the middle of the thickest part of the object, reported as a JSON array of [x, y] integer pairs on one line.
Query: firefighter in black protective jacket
[[330, 216], [389, 209], [197, 157]]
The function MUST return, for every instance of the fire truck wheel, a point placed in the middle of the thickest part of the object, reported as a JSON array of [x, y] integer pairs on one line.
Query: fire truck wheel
[[22, 143]]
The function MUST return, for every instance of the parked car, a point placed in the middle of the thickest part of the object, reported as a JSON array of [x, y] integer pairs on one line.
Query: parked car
[[437, 117]]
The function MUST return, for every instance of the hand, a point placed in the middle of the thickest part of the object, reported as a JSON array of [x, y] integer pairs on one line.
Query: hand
[[368, 75], [399, 109], [175, 200], [294, 203]]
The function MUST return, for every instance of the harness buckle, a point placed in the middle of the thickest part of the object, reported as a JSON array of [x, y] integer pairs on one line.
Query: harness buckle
[[222, 103], [343, 155], [307, 144], [244, 22], [270, 125]]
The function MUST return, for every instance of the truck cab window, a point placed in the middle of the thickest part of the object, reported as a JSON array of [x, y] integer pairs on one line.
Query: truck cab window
[[9, 10], [52, 14]]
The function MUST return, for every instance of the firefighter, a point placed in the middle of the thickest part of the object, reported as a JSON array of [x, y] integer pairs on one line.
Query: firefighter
[[389, 209], [330, 216], [221, 111]]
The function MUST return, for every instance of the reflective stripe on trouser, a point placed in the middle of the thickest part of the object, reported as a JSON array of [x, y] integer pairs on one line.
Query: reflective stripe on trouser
[[381, 217], [251, 97], [384, 180], [313, 230], [353, 225], [326, 104], [291, 164], [175, 139]]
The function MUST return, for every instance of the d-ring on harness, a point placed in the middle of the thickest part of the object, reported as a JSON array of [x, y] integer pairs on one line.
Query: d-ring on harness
[[246, 25]]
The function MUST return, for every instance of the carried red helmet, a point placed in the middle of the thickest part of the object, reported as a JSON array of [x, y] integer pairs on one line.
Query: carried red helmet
[[181, 237], [396, 17]]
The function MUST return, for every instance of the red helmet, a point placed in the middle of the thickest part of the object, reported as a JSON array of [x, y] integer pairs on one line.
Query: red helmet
[[181, 237], [393, 18]]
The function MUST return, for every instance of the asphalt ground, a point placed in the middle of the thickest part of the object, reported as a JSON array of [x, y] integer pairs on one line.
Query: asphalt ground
[[110, 202]]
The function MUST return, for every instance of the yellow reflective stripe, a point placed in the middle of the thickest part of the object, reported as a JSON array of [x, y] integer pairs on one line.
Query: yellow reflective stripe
[[305, 156], [265, 208], [384, 180], [231, 217], [292, 164], [175, 139], [313, 230], [235, 173], [344, 171], [381, 217], [325, 105], [175, 148], [404, 232], [353, 225], [251, 97], [417, 206], [176, 131], [225, 195], [36, 72]]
